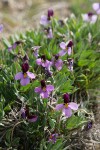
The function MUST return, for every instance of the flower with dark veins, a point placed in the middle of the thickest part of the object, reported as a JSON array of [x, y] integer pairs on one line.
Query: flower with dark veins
[[45, 19], [67, 106], [44, 90], [66, 48], [14, 45], [58, 63], [25, 75], [43, 62], [89, 17]]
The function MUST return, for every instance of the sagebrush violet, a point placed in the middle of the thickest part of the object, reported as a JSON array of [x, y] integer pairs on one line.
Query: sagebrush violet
[[44, 90], [90, 17], [67, 106], [66, 48], [25, 75]]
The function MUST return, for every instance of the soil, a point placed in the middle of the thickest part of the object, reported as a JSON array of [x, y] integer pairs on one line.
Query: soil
[[18, 16]]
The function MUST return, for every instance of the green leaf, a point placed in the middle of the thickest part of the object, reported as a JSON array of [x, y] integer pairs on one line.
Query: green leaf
[[1, 111], [74, 122], [56, 146], [52, 122]]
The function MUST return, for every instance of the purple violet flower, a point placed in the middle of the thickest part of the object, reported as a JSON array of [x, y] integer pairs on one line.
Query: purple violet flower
[[49, 33], [67, 106], [25, 75], [36, 50], [43, 62], [58, 63], [25, 115], [90, 17], [15, 44], [66, 48], [44, 90], [53, 138], [45, 19], [96, 7], [1, 28]]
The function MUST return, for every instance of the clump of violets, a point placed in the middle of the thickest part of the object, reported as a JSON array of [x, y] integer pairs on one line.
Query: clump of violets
[[14, 45], [67, 106], [96, 7], [44, 90], [45, 19], [53, 138], [26, 115], [70, 64], [35, 50], [66, 48], [44, 62], [25, 75], [90, 17], [1, 28], [58, 63]]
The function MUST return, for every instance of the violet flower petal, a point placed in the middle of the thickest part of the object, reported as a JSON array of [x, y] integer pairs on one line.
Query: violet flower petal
[[50, 34], [59, 106], [63, 45], [73, 105], [38, 61], [36, 54], [38, 89], [14, 46], [47, 64], [67, 112], [96, 6], [98, 11], [93, 19], [85, 17], [44, 94], [69, 51], [19, 76], [31, 75], [10, 48], [59, 64], [44, 20], [62, 52], [24, 81], [49, 88]]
